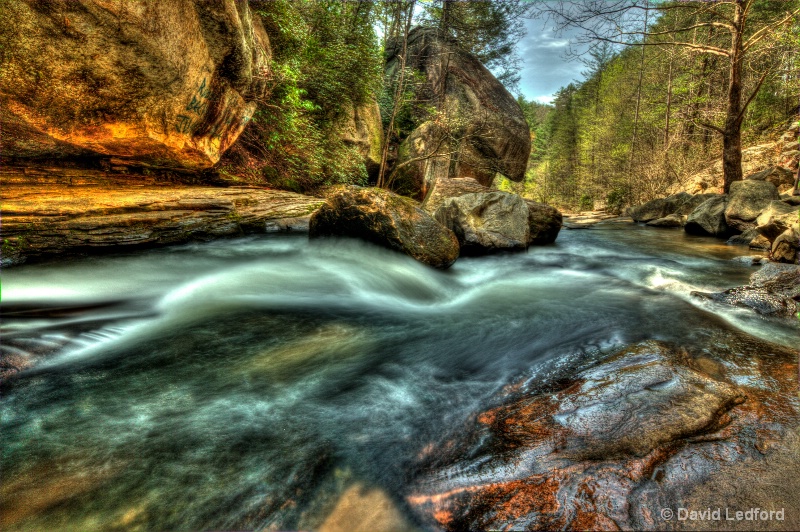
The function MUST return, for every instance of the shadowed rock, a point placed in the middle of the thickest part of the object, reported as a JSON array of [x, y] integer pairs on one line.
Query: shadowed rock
[[709, 218], [544, 223], [680, 204], [386, 219], [786, 247], [673, 220]]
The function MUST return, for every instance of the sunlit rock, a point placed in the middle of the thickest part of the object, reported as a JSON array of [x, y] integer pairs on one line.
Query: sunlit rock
[[168, 84]]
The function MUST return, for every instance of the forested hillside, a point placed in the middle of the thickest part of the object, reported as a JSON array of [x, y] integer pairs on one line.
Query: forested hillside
[[652, 113]]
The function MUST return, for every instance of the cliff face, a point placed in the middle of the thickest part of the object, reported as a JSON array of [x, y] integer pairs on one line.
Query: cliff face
[[482, 117], [161, 83]]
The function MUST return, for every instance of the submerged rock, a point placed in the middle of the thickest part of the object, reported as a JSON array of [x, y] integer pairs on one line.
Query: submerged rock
[[607, 447], [162, 83], [486, 222], [746, 201], [386, 219], [709, 218]]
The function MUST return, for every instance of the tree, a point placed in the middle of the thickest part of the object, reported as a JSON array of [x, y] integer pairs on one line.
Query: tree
[[488, 30], [738, 30]]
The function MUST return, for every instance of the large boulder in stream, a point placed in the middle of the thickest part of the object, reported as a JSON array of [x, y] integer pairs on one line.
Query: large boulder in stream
[[486, 222], [612, 441], [388, 220], [709, 218], [544, 221], [169, 84], [747, 199], [478, 126]]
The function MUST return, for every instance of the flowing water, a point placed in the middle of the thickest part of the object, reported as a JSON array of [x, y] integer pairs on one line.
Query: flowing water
[[242, 384]]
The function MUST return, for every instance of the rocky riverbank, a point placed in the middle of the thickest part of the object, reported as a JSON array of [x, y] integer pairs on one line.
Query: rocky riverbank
[[46, 214]]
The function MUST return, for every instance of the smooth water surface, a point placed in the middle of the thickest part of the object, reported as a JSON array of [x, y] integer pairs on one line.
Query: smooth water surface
[[240, 384]]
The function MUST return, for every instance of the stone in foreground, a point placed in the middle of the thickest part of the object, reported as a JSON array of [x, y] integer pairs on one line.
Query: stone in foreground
[[388, 220], [486, 222], [606, 447]]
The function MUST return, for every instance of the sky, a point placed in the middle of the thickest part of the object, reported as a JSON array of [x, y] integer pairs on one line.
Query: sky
[[545, 70]]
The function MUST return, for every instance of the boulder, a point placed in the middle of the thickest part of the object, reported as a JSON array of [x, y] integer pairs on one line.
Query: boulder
[[486, 222], [672, 220], [544, 223], [761, 243], [168, 84], [774, 290], [388, 220], [791, 200], [785, 247], [776, 219], [781, 178], [681, 203], [487, 131], [746, 201], [709, 218]]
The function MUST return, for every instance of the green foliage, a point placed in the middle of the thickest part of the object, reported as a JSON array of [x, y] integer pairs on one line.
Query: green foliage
[[325, 63], [591, 144], [489, 30]]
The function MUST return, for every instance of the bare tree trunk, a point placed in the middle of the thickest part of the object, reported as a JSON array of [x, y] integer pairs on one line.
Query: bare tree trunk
[[638, 105], [732, 132]]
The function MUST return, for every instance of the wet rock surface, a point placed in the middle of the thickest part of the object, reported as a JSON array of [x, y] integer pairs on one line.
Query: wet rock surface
[[774, 290], [608, 446], [386, 219], [91, 212]]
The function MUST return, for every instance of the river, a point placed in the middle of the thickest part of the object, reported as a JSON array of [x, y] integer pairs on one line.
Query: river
[[244, 383]]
